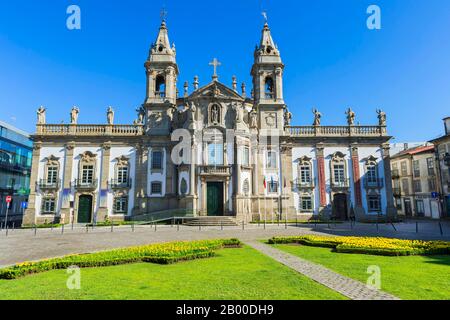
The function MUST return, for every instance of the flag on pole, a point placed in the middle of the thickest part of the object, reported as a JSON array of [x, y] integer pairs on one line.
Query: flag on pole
[[265, 183]]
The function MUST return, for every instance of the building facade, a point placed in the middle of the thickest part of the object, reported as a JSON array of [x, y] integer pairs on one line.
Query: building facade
[[415, 182], [214, 151], [443, 159], [15, 171]]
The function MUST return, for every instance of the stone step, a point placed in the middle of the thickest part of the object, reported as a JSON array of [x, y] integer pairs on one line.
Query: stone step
[[212, 221]]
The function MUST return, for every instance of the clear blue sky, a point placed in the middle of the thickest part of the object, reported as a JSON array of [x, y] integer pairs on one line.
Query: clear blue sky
[[332, 60]]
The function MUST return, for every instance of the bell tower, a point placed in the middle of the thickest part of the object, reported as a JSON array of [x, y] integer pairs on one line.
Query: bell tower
[[161, 89], [267, 73]]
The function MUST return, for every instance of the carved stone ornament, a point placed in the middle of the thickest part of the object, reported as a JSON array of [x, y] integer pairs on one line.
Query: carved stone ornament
[[122, 161], [337, 156], [305, 160], [88, 157], [70, 146], [52, 161], [156, 119], [271, 120]]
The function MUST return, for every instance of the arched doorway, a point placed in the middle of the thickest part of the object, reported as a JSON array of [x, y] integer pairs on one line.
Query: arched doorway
[[85, 209], [340, 206]]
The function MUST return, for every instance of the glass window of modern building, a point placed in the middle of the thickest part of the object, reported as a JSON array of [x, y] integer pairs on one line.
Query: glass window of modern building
[[16, 149]]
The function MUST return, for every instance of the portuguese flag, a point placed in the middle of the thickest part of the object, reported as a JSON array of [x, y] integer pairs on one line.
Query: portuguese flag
[[265, 183]]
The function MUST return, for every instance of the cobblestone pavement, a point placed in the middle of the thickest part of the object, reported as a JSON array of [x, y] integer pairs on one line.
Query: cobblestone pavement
[[23, 245], [350, 288]]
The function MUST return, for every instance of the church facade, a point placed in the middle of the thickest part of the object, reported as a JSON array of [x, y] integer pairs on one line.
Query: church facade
[[215, 151]]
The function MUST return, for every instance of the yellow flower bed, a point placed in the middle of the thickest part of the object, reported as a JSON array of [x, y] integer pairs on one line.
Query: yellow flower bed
[[164, 253], [368, 245]]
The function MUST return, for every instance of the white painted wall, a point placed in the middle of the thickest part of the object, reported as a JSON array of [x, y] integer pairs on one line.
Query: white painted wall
[[46, 152]]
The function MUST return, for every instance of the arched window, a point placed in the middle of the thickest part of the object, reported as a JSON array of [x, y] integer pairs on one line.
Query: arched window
[[269, 88], [160, 87], [183, 187]]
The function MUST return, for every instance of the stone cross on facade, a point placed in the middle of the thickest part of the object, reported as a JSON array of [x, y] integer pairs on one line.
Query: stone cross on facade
[[215, 63]]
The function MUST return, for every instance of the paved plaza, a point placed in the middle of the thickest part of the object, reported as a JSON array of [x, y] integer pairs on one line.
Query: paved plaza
[[24, 245]]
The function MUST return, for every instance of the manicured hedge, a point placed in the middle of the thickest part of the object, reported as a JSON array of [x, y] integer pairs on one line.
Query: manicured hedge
[[367, 245], [155, 253]]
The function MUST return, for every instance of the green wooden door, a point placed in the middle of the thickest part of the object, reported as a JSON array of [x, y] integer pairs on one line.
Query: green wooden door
[[85, 209], [215, 198]]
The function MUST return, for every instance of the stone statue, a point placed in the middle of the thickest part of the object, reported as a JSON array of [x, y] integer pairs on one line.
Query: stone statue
[[74, 115], [41, 115], [110, 116], [141, 114], [350, 117], [287, 117], [317, 117], [193, 110], [215, 114], [253, 119], [239, 116], [381, 117]]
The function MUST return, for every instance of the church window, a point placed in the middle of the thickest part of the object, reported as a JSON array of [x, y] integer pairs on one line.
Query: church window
[[371, 174], [215, 154], [157, 160], [305, 174], [160, 88], [374, 203], [52, 175], [272, 186], [49, 205], [120, 205], [272, 160], [156, 188], [87, 174], [306, 204], [122, 175], [269, 88]]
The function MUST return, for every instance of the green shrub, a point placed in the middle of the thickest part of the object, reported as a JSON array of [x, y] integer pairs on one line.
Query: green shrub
[[166, 253]]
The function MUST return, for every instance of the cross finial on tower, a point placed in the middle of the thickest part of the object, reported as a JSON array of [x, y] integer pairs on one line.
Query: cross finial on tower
[[163, 14], [264, 14], [215, 63]]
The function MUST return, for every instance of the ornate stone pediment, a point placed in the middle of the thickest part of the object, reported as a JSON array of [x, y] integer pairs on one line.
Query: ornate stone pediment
[[122, 161], [217, 90], [337, 156], [52, 160], [304, 160], [155, 119], [88, 156], [370, 160]]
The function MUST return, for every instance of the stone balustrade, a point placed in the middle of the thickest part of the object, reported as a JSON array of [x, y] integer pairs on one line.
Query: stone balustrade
[[215, 170], [89, 130], [337, 131]]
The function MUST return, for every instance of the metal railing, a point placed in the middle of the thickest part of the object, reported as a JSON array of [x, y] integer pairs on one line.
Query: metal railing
[[44, 184], [299, 184], [340, 184], [376, 183], [85, 185], [120, 184]]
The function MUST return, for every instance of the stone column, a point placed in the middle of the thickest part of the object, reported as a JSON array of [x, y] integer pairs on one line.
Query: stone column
[[359, 210], [227, 189], [104, 178], [279, 83], [391, 211], [30, 213], [286, 165], [321, 175], [141, 173], [66, 210]]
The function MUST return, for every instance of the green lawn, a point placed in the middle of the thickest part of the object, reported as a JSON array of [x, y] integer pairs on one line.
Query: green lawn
[[411, 277], [232, 274]]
